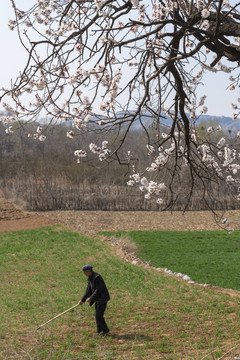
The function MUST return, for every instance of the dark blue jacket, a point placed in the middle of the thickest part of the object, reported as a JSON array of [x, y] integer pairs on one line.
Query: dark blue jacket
[[96, 289]]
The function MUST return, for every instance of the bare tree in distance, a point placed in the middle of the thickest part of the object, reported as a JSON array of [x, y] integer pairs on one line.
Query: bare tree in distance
[[108, 65]]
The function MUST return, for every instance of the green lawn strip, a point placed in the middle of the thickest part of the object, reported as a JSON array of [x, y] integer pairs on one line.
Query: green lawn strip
[[211, 257], [151, 315]]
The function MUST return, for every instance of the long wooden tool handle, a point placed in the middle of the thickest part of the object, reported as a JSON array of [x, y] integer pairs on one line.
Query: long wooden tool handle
[[55, 317]]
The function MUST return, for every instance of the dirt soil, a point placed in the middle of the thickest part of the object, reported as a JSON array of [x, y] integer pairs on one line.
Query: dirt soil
[[90, 222]]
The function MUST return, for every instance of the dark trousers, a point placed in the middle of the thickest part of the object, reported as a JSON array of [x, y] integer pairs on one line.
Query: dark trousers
[[99, 312]]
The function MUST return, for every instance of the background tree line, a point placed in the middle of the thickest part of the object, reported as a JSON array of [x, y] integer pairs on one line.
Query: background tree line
[[46, 176]]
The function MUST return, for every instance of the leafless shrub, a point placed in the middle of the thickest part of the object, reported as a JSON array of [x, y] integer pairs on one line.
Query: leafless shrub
[[125, 243]]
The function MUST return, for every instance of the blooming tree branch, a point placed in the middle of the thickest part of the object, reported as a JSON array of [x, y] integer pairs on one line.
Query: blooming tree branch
[[111, 64]]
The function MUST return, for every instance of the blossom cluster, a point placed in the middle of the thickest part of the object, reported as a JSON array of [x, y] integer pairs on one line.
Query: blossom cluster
[[220, 158], [103, 152], [150, 188], [38, 135], [80, 154], [96, 54], [46, 13]]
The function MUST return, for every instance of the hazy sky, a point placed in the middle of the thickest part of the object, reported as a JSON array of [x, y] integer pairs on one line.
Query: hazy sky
[[13, 57]]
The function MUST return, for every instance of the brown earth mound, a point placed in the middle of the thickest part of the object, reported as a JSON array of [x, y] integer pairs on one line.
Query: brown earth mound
[[12, 219]]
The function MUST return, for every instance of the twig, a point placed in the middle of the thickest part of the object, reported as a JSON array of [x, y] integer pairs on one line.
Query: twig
[[227, 352], [222, 355], [55, 317]]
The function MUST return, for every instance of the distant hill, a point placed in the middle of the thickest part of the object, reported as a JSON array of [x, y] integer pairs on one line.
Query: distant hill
[[227, 123]]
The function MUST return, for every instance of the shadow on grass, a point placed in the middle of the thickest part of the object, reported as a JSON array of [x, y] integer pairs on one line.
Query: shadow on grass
[[135, 337]]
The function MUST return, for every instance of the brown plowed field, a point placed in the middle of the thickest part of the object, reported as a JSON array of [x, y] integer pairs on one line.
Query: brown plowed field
[[90, 222]]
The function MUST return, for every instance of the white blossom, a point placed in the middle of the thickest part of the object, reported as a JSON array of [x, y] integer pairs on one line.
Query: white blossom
[[144, 181], [104, 144], [9, 130], [87, 118], [94, 148], [221, 142], [193, 137], [102, 156], [234, 166], [150, 148], [148, 196], [130, 182], [42, 138], [202, 99], [70, 134], [136, 178], [205, 13], [229, 179], [206, 25], [164, 135], [210, 129], [80, 153]]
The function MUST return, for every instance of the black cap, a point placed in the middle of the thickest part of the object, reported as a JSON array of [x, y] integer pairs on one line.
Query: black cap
[[87, 267]]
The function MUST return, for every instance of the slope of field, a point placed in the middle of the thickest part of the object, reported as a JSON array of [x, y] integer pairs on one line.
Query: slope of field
[[207, 257], [150, 315]]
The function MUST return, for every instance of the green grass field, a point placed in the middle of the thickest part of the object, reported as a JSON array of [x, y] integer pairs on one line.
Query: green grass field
[[151, 315], [211, 257]]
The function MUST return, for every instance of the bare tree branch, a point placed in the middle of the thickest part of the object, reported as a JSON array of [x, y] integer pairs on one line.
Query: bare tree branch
[[108, 66]]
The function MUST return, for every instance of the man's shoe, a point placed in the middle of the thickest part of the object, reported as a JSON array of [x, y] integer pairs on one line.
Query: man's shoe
[[103, 333]]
